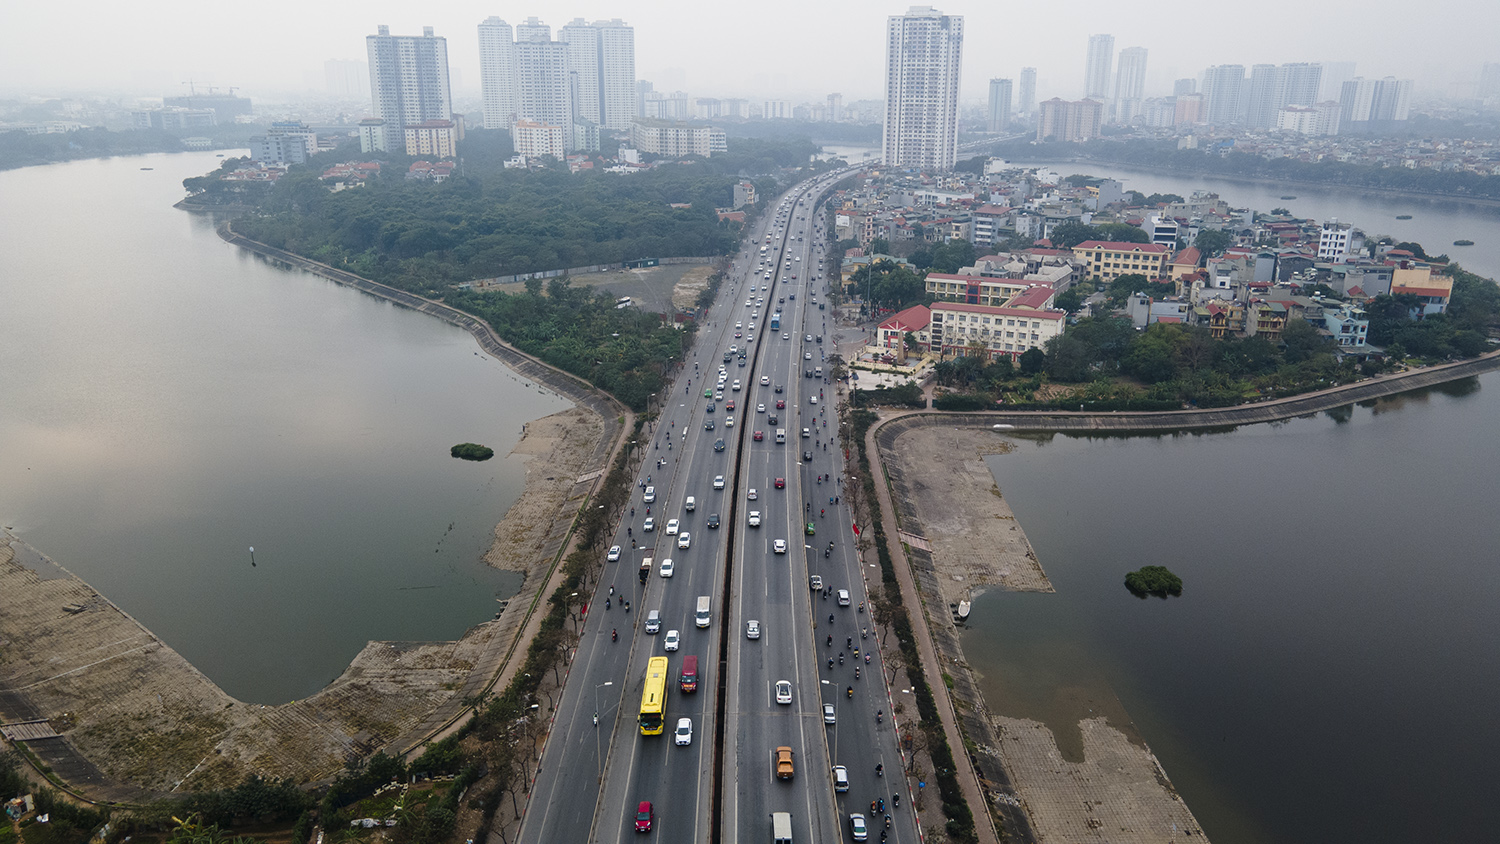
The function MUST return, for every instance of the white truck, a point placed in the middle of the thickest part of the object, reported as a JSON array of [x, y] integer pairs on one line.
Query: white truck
[[701, 618]]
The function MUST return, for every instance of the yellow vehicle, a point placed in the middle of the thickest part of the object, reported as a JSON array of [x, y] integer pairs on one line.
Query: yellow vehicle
[[654, 699]]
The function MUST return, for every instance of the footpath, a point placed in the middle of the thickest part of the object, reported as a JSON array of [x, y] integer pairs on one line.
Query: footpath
[[934, 661]]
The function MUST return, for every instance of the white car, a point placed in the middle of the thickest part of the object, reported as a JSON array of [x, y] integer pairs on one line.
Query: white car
[[765, 380], [650, 495], [752, 494], [739, 325], [843, 597], [684, 541], [786, 336], [752, 629], [783, 688], [752, 325], [736, 386], [840, 778], [760, 408], [671, 527], [673, 640], [754, 518], [779, 546], [807, 355], [667, 567], [683, 735], [718, 481], [828, 716], [614, 554], [729, 420], [648, 525], [812, 399], [857, 827]]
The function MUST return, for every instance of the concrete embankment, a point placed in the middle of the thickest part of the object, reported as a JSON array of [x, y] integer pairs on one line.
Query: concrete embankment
[[1228, 417]]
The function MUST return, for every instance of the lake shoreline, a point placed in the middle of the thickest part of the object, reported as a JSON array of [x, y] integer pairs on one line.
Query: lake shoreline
[[1262, 180]]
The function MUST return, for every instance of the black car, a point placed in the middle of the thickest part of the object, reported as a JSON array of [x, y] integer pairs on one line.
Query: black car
[[778, 388], [807, 457], [713, 520], [772, 419], [719, 444], [728, 356], [709, 425]]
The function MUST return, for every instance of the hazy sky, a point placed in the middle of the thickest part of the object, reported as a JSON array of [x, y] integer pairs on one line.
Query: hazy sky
[[788, 49]]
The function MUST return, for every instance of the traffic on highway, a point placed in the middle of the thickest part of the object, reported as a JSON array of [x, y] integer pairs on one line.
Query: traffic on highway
[[727, 683]]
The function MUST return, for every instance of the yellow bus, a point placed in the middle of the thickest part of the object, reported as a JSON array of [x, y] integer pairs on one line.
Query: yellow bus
[[654, 699]]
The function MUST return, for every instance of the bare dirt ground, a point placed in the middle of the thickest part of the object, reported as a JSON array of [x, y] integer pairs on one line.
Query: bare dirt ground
[[657, 289], [556, 448], [976, 541], [131, 705], [1105, 786]]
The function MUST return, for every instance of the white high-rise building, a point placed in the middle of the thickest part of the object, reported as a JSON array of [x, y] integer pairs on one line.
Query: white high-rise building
[[1224, 94], [616, 74], [1130, 84], [924, 52], [1364, 102], [543, 92], [1101, 57], [1335, 74], [999, 105], [532, 29], [497, 72], [1273, 88], [347, 79], [583, 68], [1026, 96], [408, 81]]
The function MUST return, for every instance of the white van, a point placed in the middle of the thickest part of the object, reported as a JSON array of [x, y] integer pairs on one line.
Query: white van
[[702, 617], [781, 828], [653, 621], [690, 505]]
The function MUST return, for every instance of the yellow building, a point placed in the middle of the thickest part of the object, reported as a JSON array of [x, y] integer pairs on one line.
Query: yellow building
[[1108, 260]]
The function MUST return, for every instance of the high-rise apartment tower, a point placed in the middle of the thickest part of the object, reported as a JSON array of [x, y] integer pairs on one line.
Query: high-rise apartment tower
[[1101, 57], [408, 80], [924, 51], [999, 105]]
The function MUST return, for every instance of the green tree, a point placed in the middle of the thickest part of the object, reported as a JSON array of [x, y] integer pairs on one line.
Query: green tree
[[1032, 361], [1121, 233], [1212, 242], [1070, 233], [1301, 340], [879, 246]]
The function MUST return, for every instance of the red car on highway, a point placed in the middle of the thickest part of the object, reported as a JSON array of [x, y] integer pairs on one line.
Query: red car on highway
[[781, 483], [781, 404], [760, 435], [644, 816]]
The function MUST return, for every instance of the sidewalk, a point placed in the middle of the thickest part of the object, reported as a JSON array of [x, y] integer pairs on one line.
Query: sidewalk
[[931, 668]]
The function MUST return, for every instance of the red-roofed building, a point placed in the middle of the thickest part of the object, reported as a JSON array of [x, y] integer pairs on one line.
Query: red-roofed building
[[958, 329], [1035, 298], [1186, 262], [1108, 260], [914, 320]]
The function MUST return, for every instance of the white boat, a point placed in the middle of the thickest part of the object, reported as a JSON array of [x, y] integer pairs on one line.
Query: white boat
[[963, 610]]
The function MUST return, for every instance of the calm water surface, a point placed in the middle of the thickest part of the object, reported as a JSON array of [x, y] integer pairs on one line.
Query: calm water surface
[[1332, 669], [167, 402]]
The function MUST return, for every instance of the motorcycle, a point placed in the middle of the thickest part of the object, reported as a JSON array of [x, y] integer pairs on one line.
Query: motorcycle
[[867, 659], [879, 714], [826, 552], [614, 635], [841, 657], [849, 692], [861, 606], [856, 672], [879, 770]]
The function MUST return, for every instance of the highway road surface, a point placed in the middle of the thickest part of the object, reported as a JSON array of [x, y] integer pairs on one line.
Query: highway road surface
[[722, 786]]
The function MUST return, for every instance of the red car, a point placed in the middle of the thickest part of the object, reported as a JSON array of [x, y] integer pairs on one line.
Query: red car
[[781, 483], [781, 404], [644, 816], [729, 405], [760, 435]]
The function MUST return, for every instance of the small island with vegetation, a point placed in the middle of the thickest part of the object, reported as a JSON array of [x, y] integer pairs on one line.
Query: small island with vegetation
[[1153, 580], [472, 451]]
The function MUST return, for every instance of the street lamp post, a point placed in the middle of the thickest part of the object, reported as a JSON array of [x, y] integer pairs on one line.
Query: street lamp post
[[598, 747]]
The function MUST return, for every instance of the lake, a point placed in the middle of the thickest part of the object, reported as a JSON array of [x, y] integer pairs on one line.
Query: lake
[[171, 401], [1331, 670]]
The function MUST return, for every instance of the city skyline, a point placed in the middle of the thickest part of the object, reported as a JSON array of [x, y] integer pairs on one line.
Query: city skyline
[[121, 50]]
